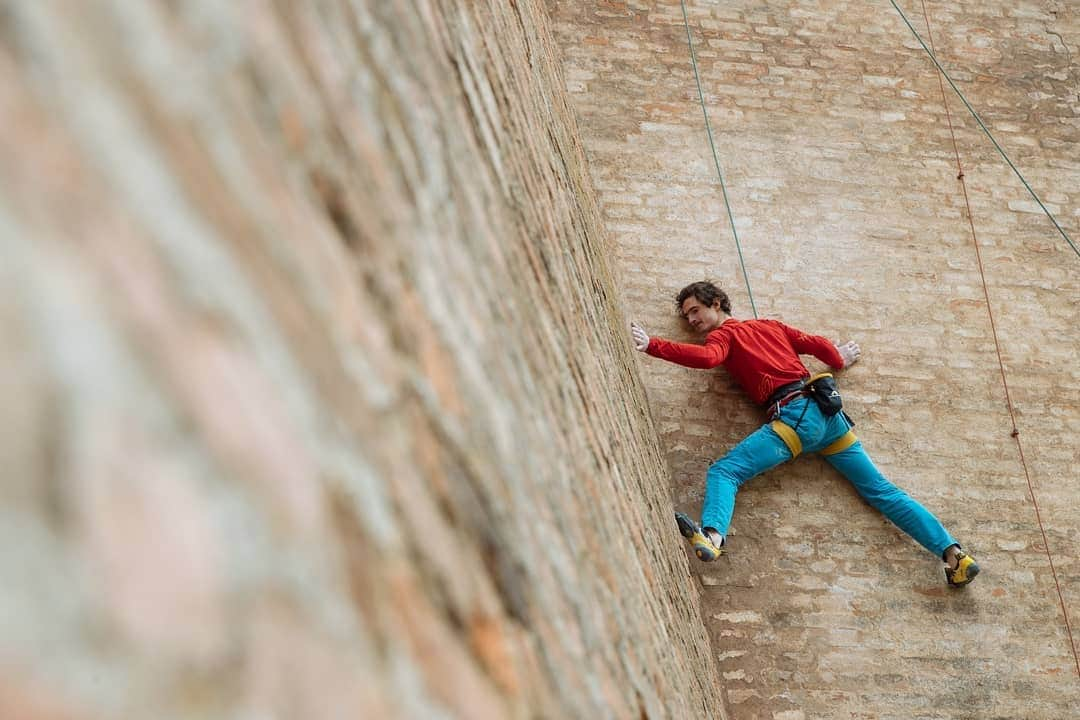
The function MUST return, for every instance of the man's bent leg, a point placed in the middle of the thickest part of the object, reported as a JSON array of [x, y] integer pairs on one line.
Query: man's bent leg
[[895, 504], [760, 451]]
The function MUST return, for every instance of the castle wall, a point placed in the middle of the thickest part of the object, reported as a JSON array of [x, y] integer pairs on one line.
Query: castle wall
[[832, 134]]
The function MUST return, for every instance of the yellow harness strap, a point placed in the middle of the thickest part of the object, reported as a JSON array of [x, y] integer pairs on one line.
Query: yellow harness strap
[[788, 435], [843, 443], [791, 439]]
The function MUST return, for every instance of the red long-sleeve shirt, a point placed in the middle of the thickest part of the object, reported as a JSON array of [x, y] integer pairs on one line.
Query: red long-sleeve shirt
[[762, 355]]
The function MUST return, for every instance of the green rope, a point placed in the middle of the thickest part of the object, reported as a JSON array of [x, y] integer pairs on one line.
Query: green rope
[[716, 157], [984, 129]]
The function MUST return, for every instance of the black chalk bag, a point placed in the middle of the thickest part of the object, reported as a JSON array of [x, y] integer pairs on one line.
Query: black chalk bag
[[822, 389]]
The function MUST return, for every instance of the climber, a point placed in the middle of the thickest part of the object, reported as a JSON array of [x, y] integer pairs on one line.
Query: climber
[[805, 416]]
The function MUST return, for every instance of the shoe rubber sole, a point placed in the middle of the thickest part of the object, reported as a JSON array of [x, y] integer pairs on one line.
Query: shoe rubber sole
[[687, 528], [969, 575], [703, 547]]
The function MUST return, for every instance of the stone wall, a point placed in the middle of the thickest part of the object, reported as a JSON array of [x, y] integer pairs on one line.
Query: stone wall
[[318, 400], [832, 133]]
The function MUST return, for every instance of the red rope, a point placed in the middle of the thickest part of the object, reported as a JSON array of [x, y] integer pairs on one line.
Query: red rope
[[997, 347]]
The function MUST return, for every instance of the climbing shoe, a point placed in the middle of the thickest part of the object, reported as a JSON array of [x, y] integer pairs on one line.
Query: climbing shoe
[[965, 572], [704, 547]]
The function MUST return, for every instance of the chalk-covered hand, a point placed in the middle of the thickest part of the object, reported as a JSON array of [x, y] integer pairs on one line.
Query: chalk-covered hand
[[641, 338], [849, 351]]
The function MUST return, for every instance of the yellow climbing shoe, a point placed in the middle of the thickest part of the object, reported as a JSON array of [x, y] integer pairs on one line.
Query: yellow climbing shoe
[[705, 549], [965, 572]]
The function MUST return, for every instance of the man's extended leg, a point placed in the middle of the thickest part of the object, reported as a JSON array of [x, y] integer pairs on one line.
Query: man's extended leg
[[895, 504], [760, 451]]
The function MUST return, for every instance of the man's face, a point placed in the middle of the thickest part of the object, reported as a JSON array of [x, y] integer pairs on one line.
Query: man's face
[[702, 318]]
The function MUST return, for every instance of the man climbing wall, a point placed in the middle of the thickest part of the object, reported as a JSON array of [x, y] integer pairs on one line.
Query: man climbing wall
[[805, 415]]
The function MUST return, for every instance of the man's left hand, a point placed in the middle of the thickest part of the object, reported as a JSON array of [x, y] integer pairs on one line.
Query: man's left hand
[[849, 352]]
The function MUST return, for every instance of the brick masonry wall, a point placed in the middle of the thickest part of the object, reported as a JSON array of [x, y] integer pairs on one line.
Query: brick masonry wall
[[832, 133], [317, 397]]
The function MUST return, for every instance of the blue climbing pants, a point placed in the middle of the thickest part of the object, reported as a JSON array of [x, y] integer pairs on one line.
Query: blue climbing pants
[[764, 449]]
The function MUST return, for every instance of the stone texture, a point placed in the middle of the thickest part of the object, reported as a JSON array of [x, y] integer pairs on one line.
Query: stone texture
[[832, 133], [318, 401]]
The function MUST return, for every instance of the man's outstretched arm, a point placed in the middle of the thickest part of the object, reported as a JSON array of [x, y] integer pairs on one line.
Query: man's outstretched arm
[[835, 355], [709, 355]]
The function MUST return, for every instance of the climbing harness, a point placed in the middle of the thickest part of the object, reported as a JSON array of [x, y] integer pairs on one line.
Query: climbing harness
[[783, 395], [821, 390]]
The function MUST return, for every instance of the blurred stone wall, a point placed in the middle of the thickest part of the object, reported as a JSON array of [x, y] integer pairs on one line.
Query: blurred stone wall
[[318, 400]]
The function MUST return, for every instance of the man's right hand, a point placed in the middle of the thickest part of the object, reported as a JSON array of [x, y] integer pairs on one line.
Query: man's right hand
[[849, 352], [641, 338]]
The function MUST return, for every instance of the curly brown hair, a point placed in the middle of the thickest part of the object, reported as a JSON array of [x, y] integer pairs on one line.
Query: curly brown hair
[[706, 293]]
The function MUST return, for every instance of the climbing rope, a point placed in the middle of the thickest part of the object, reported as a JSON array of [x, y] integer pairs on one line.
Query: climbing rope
[[978, 120], [716, 157], [997, 344]]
